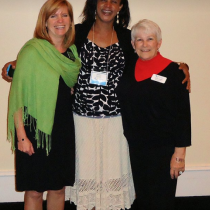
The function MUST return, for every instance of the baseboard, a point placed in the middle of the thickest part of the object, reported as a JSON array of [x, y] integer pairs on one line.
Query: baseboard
[[195, 181], [7, 189], [181, 203]]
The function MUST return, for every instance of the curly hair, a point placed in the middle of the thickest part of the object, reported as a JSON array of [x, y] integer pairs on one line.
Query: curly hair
[[88, 13]]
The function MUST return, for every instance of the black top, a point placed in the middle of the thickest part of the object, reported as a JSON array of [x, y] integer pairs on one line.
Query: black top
[[156, 114], [86, 95], [99, 100], [123, 35]]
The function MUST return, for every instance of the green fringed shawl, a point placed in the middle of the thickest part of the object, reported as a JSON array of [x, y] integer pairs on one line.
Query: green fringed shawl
[[35, 87]]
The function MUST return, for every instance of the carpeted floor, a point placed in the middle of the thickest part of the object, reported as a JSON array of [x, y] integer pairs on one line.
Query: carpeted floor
[[182, 203]]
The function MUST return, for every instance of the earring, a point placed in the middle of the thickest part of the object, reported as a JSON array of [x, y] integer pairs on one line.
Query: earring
[[117, 18], [95, 14]]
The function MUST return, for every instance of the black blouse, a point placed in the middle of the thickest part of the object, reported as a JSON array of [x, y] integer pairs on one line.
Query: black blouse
[[156, 114], [97, 100]]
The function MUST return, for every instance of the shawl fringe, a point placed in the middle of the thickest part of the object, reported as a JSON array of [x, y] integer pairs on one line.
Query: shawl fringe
[[43, 139]]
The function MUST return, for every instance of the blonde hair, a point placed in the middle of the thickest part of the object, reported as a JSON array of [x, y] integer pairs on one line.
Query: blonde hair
[[49, 8], [148, 26]]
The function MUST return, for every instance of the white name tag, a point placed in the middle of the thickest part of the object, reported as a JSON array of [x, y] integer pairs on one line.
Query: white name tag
[[98, 78], [158, 78]]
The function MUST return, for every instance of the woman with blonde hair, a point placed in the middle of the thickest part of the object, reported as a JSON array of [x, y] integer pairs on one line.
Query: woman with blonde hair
[[40, 121]]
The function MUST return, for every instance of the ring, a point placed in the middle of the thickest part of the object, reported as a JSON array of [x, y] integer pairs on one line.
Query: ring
[[180, 173]]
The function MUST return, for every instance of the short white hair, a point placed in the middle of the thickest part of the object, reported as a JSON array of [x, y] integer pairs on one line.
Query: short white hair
[[148, 26]]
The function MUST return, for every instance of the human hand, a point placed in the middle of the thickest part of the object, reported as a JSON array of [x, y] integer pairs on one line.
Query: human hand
[[184, 67], [25, 145], [4, 71], [177, 162], [72, 91]]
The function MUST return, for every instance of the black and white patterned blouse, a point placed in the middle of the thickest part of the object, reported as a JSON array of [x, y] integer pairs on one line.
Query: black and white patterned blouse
[[95, 100]]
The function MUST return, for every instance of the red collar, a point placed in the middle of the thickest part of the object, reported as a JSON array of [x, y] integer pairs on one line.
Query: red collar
[[145, 69]]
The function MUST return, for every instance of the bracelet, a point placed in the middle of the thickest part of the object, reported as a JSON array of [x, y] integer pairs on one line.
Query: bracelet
[[180, 160], [21, 139]]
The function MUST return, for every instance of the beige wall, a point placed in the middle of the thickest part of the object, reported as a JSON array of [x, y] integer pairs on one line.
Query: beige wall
[[185, 26]]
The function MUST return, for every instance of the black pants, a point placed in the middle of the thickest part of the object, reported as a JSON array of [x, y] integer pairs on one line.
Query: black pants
[[155, 190]]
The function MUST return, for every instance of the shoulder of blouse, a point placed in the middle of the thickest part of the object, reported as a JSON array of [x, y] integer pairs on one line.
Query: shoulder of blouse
[[124, 34], [81, 33], [124, 37]]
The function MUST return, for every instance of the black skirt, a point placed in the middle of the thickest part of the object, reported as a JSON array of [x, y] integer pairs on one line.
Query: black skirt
[[40, 172], [155, 190]]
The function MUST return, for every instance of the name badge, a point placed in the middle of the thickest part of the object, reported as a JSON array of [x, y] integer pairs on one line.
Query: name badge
[[158, 78], [98, 78]]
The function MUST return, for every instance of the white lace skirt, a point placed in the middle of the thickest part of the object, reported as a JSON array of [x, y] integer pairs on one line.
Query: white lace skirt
[[103, 171]]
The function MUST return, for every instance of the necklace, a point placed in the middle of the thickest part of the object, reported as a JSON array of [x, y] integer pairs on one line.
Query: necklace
[[107, 63], [70, 55]]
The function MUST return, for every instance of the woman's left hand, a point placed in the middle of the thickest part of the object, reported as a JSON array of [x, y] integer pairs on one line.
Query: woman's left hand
[[25, 145], [177, 162], [184, 67]]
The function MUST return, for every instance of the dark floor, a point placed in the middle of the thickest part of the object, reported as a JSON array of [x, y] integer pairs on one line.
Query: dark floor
[[182, 203]]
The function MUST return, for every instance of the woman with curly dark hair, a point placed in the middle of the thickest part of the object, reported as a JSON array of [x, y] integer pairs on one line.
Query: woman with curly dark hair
[[103, 172]]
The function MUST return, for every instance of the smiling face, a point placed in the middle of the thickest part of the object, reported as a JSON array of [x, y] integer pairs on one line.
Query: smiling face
[[108, 9], [58, 23], [146, 44]]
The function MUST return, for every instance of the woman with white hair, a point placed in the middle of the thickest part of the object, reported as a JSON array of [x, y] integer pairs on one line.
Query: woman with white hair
[[155, 110]]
